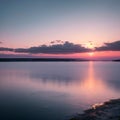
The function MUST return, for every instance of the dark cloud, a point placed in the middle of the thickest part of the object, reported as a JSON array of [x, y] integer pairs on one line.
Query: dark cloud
[[56, 42], [113, 46], [6, 49], [10, 55], [60, 47], [65, 48], [1, 42]]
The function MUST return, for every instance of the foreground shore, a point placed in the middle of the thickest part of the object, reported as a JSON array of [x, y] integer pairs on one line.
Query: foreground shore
[[109, 110]]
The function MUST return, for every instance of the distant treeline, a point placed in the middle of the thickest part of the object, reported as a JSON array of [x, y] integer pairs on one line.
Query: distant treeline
[[39, 59], [49, 60]]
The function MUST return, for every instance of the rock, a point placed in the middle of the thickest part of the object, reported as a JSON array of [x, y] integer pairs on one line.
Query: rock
[[109, 110]]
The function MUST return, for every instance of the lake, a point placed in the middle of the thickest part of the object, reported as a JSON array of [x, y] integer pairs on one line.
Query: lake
[[55, 90]]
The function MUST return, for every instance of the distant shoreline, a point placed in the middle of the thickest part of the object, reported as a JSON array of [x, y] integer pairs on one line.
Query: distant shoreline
[[40, 59], [109, 110], [48, 60]]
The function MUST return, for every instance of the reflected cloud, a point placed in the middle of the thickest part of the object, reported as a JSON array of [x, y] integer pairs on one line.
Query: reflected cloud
[[62, 73], [80, 83]]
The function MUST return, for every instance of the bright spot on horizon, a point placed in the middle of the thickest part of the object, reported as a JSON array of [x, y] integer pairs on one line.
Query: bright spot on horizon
[[91, 54], [90, 45]]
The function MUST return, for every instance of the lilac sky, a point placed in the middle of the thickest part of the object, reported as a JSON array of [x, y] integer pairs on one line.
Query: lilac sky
[[29, 23]]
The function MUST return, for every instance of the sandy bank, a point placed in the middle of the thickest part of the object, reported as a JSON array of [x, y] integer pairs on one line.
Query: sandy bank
[[109, 110]]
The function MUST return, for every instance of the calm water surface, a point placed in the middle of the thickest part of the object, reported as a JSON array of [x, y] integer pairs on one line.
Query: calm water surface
[[55, 90]]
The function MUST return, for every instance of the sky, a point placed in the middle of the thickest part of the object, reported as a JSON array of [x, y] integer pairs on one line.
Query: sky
[[83, 24]]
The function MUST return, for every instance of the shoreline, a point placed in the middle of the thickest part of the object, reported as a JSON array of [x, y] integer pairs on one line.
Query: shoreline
[[51, 60], [109, 110]]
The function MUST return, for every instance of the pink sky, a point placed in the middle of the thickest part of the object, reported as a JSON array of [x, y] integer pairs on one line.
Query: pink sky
[[37, 23]]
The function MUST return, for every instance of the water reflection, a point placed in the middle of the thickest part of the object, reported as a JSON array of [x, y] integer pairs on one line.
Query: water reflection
[[77, 83], [95, 89], [64, 88]]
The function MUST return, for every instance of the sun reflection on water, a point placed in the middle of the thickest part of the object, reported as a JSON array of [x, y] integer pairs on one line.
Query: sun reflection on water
[[87, 90]]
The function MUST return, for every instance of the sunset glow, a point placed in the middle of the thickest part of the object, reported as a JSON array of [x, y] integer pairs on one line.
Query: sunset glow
[[59, 58], [60, 28], [91, 54]]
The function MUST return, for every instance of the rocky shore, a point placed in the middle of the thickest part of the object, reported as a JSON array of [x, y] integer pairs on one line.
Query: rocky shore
[[109, 110]]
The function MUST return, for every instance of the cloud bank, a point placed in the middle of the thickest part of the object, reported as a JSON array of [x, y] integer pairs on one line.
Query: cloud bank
[[113, 46], [65, 48], [6, 49], [60, 47]]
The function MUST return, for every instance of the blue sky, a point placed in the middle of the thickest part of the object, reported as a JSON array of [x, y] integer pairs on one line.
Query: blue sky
[[40, 21]]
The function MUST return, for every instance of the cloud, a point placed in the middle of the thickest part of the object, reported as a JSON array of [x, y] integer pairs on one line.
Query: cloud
[[56, 42], [60, 47], [113, 46], [1, 42], [65, 48], [6, 49]]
